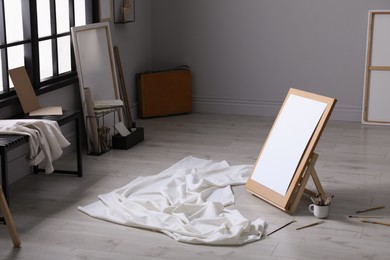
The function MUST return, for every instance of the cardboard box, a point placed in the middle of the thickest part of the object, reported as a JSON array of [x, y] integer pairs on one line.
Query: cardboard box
[[126, 142]]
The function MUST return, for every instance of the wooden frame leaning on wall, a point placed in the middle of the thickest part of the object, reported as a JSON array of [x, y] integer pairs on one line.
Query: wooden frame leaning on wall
[[96, 71], [376, 105]]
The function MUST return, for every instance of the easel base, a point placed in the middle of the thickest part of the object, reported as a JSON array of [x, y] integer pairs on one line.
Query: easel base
[[310, 172], [8, 220]]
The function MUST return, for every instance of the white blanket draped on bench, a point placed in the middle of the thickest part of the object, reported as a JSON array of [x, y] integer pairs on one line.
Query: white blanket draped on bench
[[45, 139], [186, 202]]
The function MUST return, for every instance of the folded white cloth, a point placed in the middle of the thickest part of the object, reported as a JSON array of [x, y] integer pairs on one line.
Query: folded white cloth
[[45, 139], [186, 202]]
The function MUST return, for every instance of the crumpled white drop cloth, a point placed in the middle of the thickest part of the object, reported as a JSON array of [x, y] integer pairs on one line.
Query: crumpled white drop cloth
[[45, 139], [187, 202]]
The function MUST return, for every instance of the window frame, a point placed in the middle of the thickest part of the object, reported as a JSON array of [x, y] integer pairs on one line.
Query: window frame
[[31, 56]]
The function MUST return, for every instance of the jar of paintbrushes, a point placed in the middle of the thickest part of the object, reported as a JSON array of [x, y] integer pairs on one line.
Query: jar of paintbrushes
[[320, 205]]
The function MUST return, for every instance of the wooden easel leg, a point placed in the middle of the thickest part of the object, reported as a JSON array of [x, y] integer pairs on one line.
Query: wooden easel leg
[[317, 182], [8, 220], [310, 171]]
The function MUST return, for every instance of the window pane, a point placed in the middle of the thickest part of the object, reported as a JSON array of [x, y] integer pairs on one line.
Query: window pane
[[13, 20], [45, 59], [79, 6], [64, 64], [15, 56], [62, 13], [43, 10], [15, 59]]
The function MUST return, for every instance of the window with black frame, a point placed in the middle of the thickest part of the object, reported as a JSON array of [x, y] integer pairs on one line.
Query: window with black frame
[[36, 34]]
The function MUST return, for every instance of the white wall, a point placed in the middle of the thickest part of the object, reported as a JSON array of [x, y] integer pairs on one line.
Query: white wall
[[246, 54]]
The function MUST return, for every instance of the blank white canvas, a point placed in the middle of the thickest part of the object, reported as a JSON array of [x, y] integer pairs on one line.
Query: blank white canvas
[[381, 40], [378, 98], [287, 142], [96, 63]]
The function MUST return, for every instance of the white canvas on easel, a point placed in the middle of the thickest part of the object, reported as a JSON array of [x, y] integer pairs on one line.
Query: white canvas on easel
[[287, 159], [300, 115], [26, 95]]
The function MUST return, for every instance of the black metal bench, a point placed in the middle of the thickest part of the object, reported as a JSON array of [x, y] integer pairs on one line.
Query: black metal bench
[[10, 142]]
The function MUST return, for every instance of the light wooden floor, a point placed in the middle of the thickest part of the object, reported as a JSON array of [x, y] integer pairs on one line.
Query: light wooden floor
[[354, 163]]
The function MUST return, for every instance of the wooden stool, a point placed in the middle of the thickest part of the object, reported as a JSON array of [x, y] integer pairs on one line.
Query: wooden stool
[[8, 219]]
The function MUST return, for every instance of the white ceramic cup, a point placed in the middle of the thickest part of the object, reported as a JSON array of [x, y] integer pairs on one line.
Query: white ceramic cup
[[319, 211]]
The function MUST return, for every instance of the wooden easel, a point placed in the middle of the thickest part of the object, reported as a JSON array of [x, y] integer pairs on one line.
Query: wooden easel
[[301, 188], [8, 219], [269, 180]]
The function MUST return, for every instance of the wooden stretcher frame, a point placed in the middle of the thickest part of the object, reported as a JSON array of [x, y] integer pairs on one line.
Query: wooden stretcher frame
[[305, 168], [376, 104], [96, 70], [127, 109]]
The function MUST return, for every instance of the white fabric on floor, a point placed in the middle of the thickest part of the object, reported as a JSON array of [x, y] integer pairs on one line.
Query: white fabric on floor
[[186, 202], [45, 139]]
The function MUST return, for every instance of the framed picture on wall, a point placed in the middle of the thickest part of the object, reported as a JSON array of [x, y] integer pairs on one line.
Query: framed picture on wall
[[124, 11], [105, 10]]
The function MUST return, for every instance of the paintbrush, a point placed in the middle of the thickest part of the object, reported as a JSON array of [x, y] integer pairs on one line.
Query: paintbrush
[[311, 225], [376, 222], [364, 216], [369, 209], [322, 199], [282, 227]]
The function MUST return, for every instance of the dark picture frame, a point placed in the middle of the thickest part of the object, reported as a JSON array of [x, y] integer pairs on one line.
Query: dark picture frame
[[105, 10], [124, 11]]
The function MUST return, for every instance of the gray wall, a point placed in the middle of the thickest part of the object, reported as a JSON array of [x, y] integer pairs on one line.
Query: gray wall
[[246, 54], [134, 44]]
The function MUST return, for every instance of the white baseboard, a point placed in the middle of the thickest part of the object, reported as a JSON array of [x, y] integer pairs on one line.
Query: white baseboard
[[262, 108]]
